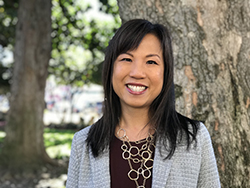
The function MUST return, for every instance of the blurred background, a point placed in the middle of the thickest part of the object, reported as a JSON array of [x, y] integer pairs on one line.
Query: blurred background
[[51, 55], [73, 94]]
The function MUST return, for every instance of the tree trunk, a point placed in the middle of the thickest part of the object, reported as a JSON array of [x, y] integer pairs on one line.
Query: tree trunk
[[23, 146], [211, 41]]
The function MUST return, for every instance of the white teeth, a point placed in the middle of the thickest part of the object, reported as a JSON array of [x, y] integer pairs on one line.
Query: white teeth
[[136, 88]]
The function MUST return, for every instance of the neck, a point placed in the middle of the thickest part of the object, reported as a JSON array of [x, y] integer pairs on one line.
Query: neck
[[135, 123]]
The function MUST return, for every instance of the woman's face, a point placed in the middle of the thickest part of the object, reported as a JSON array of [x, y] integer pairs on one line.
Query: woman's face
[[138, 74]]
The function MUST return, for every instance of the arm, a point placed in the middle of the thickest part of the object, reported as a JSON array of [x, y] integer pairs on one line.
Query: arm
[[208, 176], [73, 170]]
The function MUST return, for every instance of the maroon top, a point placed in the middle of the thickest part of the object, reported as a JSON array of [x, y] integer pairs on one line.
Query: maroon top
[[119, 167]]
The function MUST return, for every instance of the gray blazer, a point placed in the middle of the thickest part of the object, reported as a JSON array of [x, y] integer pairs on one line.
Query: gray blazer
[[186, 169]]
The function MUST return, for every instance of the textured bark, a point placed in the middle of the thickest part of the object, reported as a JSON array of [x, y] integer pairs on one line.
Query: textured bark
[[24, 146], [211, 41]]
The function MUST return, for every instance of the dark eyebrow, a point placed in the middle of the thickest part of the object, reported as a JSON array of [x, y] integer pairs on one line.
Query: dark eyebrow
[[151, 55], [128, 54]]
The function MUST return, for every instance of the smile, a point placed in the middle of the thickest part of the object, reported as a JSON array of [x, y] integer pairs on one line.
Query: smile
[[136, 88]]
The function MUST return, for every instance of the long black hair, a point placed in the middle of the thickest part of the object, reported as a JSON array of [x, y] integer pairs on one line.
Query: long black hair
[[170, 125]]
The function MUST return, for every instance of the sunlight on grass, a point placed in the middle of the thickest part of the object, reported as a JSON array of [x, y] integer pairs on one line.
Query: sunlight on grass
[[57, 142], [2, 135]]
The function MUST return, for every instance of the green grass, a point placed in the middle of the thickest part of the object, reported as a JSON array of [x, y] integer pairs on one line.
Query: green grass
[[57, 142]]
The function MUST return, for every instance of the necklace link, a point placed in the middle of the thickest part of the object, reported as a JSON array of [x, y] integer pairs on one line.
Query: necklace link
[[137, 155]]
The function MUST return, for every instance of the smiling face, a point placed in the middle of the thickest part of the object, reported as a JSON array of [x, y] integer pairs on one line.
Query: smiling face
[[138, 74]]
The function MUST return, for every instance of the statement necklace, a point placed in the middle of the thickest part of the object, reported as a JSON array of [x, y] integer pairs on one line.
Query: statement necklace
[[142, 156]]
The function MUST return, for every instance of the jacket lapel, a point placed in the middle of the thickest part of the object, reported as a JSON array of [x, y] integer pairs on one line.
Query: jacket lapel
[[161, 167], [101, 172]]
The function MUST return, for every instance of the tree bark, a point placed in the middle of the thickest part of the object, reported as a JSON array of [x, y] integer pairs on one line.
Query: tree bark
[[211, 41], [23, 146]]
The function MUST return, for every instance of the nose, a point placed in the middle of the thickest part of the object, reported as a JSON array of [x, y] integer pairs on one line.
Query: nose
[[137, 70]]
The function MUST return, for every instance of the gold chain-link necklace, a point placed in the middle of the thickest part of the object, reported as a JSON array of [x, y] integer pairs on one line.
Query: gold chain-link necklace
[[142, 155]]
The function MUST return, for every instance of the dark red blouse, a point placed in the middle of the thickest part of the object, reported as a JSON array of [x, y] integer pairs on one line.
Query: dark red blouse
[[119, 167]]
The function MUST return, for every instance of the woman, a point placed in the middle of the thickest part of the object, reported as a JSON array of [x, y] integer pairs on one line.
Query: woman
[[141, 141]]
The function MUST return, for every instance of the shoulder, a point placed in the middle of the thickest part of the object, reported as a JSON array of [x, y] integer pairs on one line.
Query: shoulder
[[79, 144], [200, 137], [81, 136], [202, 134], [84, 132], [202, 129]]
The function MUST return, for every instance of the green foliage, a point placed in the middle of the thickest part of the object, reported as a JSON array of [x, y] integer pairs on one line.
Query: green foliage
[[4, 81], [78, 40], [8, 20]]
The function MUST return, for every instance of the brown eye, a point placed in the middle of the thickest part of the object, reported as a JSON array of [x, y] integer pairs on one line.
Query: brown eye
[[126, 59], [151, 62]]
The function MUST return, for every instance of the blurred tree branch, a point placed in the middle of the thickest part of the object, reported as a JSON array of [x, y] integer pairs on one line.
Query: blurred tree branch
[[70, 30]]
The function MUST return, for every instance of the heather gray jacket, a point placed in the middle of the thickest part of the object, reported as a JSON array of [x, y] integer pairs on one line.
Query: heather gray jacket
[[186, 169]]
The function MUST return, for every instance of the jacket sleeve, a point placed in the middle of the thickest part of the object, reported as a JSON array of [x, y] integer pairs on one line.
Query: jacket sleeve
[[208, 176], [73, 169]]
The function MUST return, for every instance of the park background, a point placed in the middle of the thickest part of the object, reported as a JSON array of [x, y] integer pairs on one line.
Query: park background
[[51, 55]]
